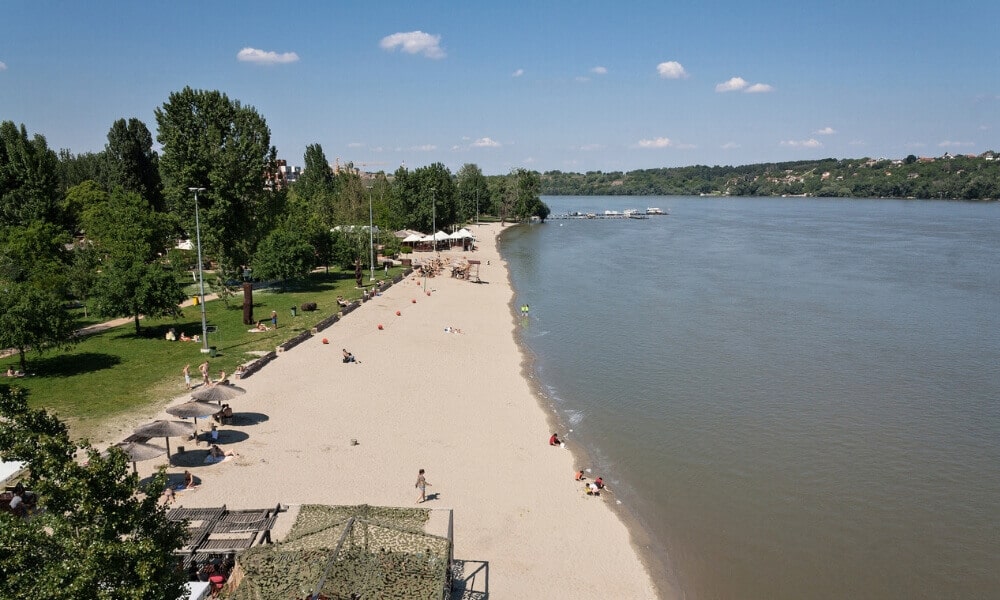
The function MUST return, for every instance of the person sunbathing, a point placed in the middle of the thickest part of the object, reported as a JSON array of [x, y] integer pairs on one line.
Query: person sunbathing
[[348, 357], [184, 337], [343, 303], [216, 454], [261, 326]]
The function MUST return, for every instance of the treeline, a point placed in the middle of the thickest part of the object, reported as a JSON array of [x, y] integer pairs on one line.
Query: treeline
[[101, 228], [947, 177]]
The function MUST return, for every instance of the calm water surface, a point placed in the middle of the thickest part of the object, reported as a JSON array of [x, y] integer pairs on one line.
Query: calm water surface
[[797, 398]]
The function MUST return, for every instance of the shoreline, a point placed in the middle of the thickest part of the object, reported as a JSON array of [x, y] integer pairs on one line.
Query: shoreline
[[652, 555], [460, 405]]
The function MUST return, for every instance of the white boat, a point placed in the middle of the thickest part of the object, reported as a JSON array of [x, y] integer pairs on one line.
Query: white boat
[[654, 211]]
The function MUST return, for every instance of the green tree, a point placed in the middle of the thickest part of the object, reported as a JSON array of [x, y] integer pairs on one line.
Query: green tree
[[32, 287], [131, 163], [78, 200], [216, 143], [96, 537], [284, 255], [130, 240], [472, 193], [29, 180]]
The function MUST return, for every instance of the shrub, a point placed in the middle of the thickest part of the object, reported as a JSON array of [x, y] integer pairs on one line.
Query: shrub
[[308, 306]]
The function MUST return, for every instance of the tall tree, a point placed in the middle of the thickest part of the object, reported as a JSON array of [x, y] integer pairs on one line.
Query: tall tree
[[130, 241], [29, 180], [285, 254], [131, 162], [32, 287], [213, 142], [316, 178], [96, 538], [473, 192]]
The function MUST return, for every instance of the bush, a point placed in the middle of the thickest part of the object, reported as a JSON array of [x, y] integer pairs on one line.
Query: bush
[[308, 306]]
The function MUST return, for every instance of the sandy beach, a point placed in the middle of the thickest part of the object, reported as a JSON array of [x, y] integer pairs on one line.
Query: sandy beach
[[455, 404]]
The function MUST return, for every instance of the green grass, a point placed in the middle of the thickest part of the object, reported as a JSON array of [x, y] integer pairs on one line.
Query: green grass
[[116, 371]]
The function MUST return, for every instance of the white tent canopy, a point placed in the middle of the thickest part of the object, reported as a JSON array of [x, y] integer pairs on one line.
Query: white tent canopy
[[440, 236], [461, 234], [414, 237]]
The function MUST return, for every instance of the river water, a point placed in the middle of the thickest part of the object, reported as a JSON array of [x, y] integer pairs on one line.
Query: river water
[[791, 398]]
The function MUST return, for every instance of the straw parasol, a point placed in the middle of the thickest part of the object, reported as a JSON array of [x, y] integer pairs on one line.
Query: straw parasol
[[137, 451], [165, 429], [218, 393], [193, 410]]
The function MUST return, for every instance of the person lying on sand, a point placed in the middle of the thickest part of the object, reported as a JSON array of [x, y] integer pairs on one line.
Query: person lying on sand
[[216, 454]]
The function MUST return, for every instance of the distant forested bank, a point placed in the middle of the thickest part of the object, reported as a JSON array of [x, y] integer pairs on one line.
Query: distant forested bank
[[947, 177]]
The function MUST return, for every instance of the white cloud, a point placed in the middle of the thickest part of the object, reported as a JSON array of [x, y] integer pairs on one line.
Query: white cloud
[[671, 70], [730, 146], [517, 73], [733, 85], [424, 148], [825, 131], [414, 42], [591, 147], [266, 57], [810, 143], [599, 70], [485, 143], [858, 143], [355, 145], [660, 142], [738, 84], [3, 66], [759, 88], [951, 144]]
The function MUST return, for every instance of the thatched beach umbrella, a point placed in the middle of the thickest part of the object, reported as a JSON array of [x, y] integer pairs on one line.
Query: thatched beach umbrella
[[138, 451], [193, 410], [218, 393], [165, 429]]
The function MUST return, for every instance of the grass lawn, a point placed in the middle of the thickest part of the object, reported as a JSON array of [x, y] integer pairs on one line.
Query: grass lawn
[[113, 372]]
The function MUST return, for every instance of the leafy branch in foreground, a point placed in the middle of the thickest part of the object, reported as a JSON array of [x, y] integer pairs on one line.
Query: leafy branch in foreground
[[93, 536]]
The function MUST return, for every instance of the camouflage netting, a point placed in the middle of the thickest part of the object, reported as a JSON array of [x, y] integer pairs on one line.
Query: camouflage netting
[[384, 554]]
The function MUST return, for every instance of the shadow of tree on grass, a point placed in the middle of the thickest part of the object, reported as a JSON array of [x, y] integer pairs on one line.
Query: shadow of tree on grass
[[68, 365]]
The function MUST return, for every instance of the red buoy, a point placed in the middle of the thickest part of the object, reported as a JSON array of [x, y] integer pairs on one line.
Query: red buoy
[[380, 326]]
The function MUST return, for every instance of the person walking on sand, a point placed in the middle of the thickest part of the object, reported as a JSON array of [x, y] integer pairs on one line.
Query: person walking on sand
[[422, 486], [203, 369], [187, 375]]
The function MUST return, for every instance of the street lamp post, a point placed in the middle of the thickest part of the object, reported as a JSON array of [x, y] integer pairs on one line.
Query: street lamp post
[[371, 236], [433, 228], [201, 277]]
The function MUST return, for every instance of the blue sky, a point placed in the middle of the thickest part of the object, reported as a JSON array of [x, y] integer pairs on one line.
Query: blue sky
[[573, 86]]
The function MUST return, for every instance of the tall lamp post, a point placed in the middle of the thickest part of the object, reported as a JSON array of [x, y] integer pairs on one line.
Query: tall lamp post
[[433, 228], [201, 277], [371, 236]]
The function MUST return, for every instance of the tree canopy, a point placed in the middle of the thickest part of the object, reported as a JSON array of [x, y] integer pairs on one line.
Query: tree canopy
[[96, 537], [212, 142]]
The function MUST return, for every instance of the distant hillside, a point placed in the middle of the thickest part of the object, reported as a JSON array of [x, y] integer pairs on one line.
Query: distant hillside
[[950, 177]]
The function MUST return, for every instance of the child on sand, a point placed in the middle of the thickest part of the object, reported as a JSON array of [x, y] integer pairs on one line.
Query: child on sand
[[422, 486]]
